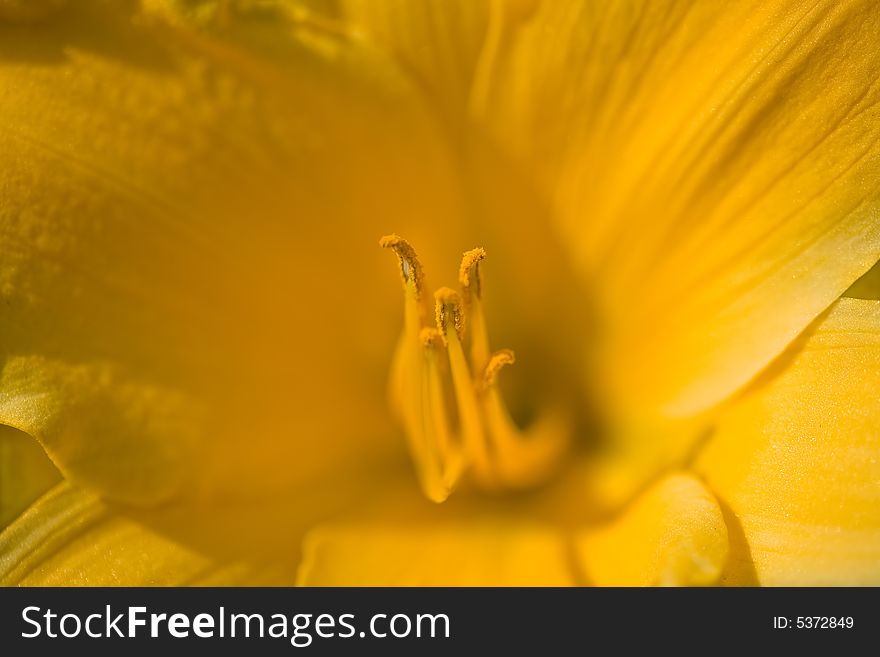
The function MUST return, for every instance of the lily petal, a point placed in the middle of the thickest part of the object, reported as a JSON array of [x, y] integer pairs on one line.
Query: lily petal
[[673, 535], [797, 459], [438, 42], [182, 209], [462, 555], [25, 473], [712, 168], [70, 538]]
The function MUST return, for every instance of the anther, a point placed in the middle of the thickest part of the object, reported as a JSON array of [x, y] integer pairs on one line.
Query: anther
[[410, 267], [449, 311], [469, 272], [431, 337], [470, 279], [498, 360]]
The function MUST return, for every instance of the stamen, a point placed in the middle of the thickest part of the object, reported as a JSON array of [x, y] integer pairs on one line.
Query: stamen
[[449, 457], [417, 390], [405, 374], [488, 444], [410, 267], [469, 276], [431, 337], [521, 459], [469, 273], [496, 363], [449, 314]]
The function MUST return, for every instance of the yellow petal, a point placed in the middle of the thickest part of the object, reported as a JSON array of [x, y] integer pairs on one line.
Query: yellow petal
[[29, 11], [485, 554], [25, 473], [674, 534], [187, 233], [71, 538], [438, 42], [797, 459], [712, 168]]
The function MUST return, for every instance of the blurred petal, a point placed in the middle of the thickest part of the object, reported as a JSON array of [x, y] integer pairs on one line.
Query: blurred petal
[[713, 168], [438, 42], [461, 555], [188, 235], [29, 11], [25, 473], [674, 534], [70, 538], [797, 459]]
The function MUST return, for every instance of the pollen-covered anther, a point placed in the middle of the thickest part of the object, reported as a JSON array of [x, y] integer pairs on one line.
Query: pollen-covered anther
[[470, 279], [410, 267], [431, 337], [449, 312], [498, 360], [469, 272]]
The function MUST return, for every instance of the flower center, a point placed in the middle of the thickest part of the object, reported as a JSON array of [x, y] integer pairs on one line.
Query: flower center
[[474, 436]]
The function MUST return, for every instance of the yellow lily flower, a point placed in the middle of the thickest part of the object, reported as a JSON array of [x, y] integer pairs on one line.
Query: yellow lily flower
[[661, 205]]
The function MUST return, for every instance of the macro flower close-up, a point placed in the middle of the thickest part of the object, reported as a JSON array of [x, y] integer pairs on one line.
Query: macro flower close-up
[[440, 292]]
